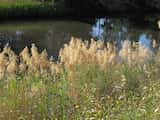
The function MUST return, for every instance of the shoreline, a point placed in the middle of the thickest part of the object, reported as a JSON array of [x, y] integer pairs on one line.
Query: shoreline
[[41, 11]]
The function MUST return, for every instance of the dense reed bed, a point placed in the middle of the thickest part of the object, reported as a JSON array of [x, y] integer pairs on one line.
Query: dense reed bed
[[92, 80]]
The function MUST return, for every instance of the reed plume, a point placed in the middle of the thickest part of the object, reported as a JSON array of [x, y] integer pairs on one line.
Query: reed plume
[[3, 64], [81, 52], [77, 52]]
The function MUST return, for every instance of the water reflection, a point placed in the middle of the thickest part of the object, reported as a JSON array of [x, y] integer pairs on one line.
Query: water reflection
[[52, 35], [145, 40], [123, 29], [98, 29], [110, 29]]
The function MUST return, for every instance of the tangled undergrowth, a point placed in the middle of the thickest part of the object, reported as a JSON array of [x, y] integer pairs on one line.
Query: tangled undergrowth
[[92, 80]]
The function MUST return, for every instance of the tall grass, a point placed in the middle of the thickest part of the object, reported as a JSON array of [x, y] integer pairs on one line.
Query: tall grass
[[103, 54], [91, 80]]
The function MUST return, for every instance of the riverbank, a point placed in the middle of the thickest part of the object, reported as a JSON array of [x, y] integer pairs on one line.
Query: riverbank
[[28, 10], [50, 10]]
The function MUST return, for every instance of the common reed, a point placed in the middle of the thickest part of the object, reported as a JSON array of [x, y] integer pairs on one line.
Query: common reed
[[96, 52], [77, 52], [26, 62], [91, 80]]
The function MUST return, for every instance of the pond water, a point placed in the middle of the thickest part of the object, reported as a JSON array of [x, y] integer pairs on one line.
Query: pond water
[[52, 35]]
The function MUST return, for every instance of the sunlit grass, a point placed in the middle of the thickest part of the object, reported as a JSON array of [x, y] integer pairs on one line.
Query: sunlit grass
[[91, 80], [15, 0], [31, 9]]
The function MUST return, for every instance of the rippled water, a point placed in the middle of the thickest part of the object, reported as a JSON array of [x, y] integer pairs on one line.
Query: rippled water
[[53, 34]]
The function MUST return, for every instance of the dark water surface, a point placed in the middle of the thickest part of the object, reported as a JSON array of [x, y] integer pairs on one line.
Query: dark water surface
[[53, 34]]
